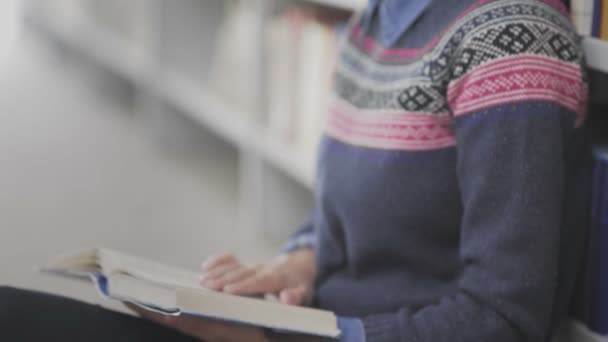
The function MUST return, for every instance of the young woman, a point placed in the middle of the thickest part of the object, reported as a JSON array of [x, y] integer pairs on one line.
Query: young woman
[[451, 193]]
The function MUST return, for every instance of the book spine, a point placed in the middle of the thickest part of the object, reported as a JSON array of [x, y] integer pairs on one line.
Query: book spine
[[596, 20], [582, 15], [604, 20]]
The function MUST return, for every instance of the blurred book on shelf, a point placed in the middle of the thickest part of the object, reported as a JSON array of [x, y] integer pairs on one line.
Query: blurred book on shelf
[[301, 44], [121, 18], [232, 66], [66, 12], [590, 17], [582, 15]]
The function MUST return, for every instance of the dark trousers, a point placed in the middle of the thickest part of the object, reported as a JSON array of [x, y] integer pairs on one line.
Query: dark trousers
[[33, 316]]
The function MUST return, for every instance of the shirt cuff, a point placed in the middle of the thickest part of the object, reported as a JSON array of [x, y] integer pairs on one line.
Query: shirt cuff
[[351, 330], [306, 240]]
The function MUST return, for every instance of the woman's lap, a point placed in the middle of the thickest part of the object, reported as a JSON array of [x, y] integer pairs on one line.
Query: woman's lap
[[34, 316]]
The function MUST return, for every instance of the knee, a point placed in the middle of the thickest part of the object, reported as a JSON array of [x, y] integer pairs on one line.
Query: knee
[[7, 293], [7, 299], [5, 290], [10, 299]]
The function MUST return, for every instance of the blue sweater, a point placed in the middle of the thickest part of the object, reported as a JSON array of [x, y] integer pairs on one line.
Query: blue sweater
[[453, 177]]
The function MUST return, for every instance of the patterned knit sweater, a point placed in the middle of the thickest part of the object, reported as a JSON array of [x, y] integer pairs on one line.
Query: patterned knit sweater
[[452, 181]]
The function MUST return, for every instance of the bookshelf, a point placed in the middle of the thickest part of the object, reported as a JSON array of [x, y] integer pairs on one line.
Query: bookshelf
[[124, 58], [177, 78], [204, 106], [100, 45]]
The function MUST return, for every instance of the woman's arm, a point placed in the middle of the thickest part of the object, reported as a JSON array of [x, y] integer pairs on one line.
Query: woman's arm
[[517, 95]]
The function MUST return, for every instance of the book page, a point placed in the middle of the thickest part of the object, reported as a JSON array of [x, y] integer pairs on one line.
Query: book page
[[145, 269], [83, 262], [156, 297]]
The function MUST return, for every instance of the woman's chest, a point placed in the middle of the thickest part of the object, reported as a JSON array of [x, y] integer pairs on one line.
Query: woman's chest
[[367, 186]]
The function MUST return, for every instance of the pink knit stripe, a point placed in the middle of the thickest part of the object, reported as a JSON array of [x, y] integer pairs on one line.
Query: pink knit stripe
[[389, 130], [390, 144], [519, 64], [369, 44], [512, 83], [518, 79], [515, 97]]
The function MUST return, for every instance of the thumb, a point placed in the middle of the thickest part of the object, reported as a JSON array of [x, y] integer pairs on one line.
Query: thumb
[[295, 295]]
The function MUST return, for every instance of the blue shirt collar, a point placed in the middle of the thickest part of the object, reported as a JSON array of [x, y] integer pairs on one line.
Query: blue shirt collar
[[396, 16]]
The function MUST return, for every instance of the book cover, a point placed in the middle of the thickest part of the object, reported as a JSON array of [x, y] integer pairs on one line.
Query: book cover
[[174, 291]]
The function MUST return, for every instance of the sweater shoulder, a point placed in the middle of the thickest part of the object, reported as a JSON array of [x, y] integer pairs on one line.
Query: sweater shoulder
[[509, 52], [492, 30]]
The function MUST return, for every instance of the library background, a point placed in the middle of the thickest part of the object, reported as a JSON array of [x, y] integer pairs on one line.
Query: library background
[[167, 67]]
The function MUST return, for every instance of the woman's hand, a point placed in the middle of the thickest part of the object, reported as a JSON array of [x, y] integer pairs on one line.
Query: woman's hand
[[290, 277]]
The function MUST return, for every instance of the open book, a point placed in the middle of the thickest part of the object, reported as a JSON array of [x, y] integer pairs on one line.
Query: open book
[[173, 291]]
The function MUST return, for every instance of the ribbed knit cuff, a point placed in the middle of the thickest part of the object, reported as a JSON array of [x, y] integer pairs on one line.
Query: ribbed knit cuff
[[382, 328]]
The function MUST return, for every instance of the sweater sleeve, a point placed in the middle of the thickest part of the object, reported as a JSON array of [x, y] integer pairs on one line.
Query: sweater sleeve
[[304, 237], [513, 115]]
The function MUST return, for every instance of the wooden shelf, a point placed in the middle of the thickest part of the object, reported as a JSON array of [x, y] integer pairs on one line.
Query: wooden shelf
[[192, 98], [113, 52], [286, 158], [204, 106], [597, 53], [233, 124]]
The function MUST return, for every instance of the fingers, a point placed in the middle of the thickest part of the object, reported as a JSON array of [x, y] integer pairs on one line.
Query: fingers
[[233, 277], [295, 296], [260, 282], [226, 273], [213, 279], [218, 260], [216, 268]]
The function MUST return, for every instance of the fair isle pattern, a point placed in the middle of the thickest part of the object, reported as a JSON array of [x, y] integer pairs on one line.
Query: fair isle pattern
[[391, 130], [414, 95], [507, 24], [500, 52]]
